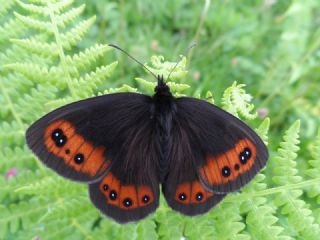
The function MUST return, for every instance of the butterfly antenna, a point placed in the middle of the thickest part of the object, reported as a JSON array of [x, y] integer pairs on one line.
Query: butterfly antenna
[[134, 59], [186, 53]]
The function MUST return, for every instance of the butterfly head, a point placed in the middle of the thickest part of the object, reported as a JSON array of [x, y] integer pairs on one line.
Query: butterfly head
[[162, 89]]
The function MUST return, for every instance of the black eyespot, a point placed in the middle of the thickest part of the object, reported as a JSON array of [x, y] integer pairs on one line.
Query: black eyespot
[[67, 151], [226, 171], [245, 155], [247, 152], [56, 134], [79, 158], [105, 187], [145, 199], [236, 167], [113, 195], [199, 196], [127, 202], [58, 137], [182, 196], [61, 141]]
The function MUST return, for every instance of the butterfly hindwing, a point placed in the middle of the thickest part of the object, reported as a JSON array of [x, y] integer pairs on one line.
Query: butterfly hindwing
[[182, 187], [79, 141], [225, 151], [124, 202], [130, 190]]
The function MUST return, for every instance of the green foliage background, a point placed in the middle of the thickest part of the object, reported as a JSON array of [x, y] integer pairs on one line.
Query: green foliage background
[[55, 52]]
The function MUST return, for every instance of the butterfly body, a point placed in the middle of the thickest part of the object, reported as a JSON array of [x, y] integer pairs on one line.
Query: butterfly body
[[126, 145], [163, 112]]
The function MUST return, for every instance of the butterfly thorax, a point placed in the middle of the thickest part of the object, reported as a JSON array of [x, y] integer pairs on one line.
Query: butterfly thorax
[[163, 111], [162, 90]]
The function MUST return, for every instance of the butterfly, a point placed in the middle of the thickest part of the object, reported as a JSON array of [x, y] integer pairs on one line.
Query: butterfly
[[125, 145]]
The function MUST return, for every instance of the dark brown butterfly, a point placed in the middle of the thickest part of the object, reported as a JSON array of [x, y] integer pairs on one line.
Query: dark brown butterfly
[[124, 145]]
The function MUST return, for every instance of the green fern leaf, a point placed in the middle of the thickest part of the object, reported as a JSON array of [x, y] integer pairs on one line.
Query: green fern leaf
[[39, 74], [5, 6], [170, 225], [58, 6], [263, 130], [41, 10], [35, 46], [163, 68], [298, 214], [146, 85], [70, 16], [314, 170], [227, 221], [34, 23], [236, 101], [84, 59], [147, 230], [10, 29], [74, 35], [209, 97], [123, 88]]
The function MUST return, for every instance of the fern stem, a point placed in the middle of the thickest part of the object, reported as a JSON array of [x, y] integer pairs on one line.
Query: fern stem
[[10, 105], [246, 196], [61, 50]]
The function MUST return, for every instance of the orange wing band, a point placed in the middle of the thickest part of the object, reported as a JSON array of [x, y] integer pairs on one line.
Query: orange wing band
[[62, 140], [125, 197], [191, 193], [229, 165]]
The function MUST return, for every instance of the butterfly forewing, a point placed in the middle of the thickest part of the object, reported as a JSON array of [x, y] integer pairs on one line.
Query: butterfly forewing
[[229, 153], [80, 140]]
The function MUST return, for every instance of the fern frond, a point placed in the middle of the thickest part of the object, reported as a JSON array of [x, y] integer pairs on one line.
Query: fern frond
[[47, 183], [6, 6], [147, 230], [177, 87], [209, 97], [34, 23], [30, 110], [4, 228], [286, 166], [14, 157], [161, 67], [10, 29], [84, 59], [263, 130], [298, 214], [35, 46], [227, 222], [70, 16], [74, 35], [123, 88], [41, 10], [146, 85], [39, 74], [314, 170], [169, 224], [261, 220], [236, 101], [198, 228], [58, 6], [11, 133], [90, 81]]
